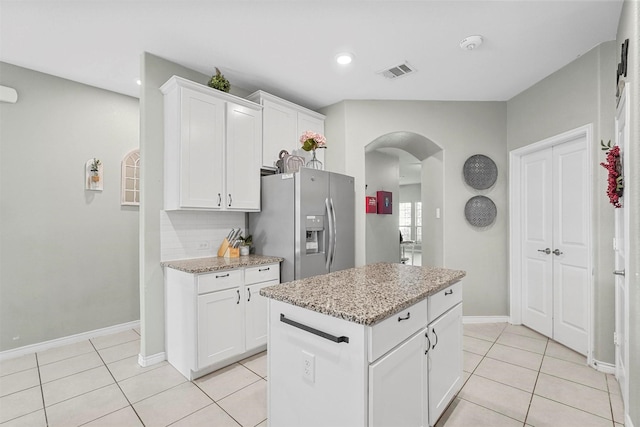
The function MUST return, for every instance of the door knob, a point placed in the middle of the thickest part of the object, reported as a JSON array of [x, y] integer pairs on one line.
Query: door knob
[[546, 251], [618, 272], [557, 252]]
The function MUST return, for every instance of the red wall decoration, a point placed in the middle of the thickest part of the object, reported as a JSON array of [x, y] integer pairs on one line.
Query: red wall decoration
[[385, 202]]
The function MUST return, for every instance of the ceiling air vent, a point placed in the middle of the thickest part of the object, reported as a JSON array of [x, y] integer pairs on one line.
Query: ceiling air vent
[[397, 71]]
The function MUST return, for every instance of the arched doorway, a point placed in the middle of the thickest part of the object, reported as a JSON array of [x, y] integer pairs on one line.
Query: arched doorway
[[383, 159]]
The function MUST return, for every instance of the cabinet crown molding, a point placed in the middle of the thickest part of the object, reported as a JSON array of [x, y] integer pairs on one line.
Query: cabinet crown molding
[[178, 81], [260, 95]]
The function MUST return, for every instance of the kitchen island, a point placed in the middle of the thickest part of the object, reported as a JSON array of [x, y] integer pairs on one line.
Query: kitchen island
[[378, 345]]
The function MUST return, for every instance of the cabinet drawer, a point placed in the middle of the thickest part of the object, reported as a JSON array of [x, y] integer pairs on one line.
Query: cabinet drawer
[[397, 328], [261, 273], [219, 280], [444, 300]]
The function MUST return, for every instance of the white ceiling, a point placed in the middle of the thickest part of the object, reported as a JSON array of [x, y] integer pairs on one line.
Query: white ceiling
[[288, 47]]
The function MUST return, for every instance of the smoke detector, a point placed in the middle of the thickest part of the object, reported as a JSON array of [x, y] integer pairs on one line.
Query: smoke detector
[[471, 42], [397, 71]]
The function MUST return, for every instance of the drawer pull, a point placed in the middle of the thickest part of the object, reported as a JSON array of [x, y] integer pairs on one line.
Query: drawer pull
[[249, 298], [222, 275], [238, 302], [434, 333], [449, 292], [407, 317], [313, 330], [264, 269]]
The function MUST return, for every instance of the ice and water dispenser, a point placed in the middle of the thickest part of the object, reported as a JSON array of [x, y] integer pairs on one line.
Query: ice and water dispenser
[[314, 227]]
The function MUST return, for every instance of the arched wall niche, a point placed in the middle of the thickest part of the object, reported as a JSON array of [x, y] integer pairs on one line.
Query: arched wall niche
[[382, 173]]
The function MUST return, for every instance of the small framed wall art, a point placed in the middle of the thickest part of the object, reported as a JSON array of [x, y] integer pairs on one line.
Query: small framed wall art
[[385, 202]]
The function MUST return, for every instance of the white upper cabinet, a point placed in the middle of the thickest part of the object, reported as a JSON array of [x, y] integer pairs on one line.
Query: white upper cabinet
[[283, 123], [213, 149]]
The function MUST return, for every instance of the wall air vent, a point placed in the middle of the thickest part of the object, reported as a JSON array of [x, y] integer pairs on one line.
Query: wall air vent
[[397, 71]]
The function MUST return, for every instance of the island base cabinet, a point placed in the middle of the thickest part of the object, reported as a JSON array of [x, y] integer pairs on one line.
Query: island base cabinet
[[312, 381], [397, 393], [444, 361]]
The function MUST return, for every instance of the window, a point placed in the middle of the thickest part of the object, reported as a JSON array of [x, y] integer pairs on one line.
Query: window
[[405, 221], [418, 222], [130, 193]]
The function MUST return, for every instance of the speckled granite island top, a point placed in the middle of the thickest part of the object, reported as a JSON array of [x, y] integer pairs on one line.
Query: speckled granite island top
[[367, 294], [205, 265]]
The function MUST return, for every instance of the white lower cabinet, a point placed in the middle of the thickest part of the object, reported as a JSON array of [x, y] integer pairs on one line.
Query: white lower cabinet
[[396, 385], [215, 319], [215, 342], [444, 374]]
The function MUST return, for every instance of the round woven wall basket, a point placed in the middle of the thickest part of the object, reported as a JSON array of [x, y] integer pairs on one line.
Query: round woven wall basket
[[480, 211], [480, 172]]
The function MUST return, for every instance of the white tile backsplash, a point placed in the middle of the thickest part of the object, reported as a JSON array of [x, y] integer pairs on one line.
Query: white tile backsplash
[[183, 232]]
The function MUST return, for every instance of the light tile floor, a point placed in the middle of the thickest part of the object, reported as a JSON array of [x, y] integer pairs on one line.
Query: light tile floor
[[513, 376]]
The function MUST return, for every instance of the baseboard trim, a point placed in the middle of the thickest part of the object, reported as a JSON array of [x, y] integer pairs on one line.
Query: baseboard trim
[[72, 339], [604, 367], [485, 319], [145, 361]]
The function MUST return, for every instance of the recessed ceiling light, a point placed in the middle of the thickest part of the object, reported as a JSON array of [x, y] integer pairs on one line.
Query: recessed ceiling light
[[344, 58], [471, 42], [139, 82]]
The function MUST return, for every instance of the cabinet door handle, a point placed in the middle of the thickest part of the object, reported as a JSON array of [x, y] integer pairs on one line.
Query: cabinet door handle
[[219, 199], [407, 317], [426, 334], [264, 269], [238, 291], [313, 330], [249, 298], [222, 275], [230, 200], [449, 292], [434, 333]]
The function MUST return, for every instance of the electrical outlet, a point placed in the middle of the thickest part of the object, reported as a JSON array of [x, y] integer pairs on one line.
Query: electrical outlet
[[203, 245], [309, 366]]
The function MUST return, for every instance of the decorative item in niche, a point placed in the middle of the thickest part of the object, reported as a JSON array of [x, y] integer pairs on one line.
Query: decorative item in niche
[[93, 175], [480, 211], [615, 179], [480, 172], [130, 189], [371, 204], [385, 202], [218, 81], [312, 141]]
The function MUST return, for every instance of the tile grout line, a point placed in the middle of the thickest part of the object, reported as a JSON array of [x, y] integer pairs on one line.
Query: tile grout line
[[216, 403], [533, 391], [44, 408]]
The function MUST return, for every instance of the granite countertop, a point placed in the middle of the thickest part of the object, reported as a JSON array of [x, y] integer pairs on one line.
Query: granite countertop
[[366, 294], [205, 265]]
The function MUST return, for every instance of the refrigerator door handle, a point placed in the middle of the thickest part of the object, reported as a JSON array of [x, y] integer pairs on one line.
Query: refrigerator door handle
[[335, 231], [331, 236]]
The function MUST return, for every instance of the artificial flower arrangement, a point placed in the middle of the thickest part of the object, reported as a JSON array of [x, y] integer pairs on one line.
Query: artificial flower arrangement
[[615, 180], [311, 141]]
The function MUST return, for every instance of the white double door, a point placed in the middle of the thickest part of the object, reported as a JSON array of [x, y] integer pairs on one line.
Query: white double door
[[555, 230]]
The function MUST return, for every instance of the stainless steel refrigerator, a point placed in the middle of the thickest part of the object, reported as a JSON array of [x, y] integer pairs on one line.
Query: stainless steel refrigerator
[[308, 219]]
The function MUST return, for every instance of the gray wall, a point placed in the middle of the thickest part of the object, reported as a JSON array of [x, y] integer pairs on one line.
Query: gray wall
[[629, 28], [383, 240], [582, 92], [68, 257], [155, 72], [461, 129]]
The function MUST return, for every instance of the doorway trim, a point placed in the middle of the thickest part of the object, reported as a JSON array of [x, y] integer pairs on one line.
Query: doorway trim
[[515, 232]]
